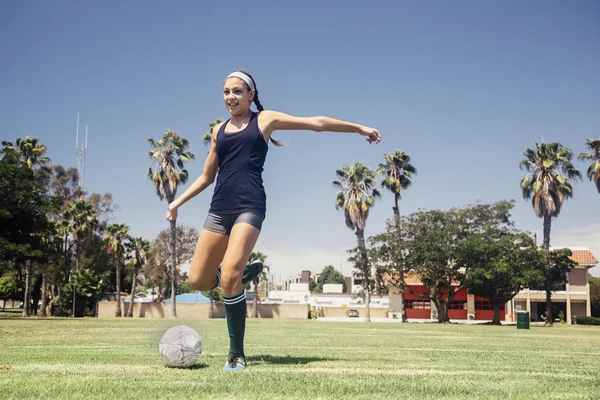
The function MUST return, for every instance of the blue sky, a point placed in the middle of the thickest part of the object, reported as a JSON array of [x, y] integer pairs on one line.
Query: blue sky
[[463, 87]]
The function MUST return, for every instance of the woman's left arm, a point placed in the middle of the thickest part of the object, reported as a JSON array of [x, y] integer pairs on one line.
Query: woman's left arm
[[274, 121]]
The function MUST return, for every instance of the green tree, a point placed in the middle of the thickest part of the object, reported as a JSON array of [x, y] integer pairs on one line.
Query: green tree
[[398, 172], [117, 236], [548, 184], [207, 137], [548, 181], [329, 275], [594, 295], [593, 171], [80, 219], [139, 249], [169, 155], [30, 151], [554, 270], [257, 256], [499, 267], [356, 195], [8, 290], [23, 216]]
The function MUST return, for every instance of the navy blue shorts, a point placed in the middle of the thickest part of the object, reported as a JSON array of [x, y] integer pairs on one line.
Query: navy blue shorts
[[223, 223]]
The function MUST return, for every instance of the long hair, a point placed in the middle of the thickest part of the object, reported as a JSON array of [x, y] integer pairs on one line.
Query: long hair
[[259, 106]]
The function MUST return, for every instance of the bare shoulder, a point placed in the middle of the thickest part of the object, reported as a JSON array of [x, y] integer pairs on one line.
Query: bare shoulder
[[215, 130]]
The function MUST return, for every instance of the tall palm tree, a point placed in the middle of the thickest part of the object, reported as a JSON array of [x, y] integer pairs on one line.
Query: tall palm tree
[[397, 171], [80, 219], [548, 181], [548, 184], [206, 141], [356, 195], [170, 153], [257, 256], [139, 248], [593, 171], [208, 136], [116, 236]]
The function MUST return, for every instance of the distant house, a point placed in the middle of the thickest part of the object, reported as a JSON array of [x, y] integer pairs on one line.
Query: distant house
[[573, 301]]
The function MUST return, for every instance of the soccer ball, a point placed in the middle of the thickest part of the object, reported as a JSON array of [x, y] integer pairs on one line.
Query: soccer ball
[[180, 346]]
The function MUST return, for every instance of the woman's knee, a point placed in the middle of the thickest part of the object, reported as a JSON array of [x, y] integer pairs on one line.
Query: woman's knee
[[197, 282], [231, 279]]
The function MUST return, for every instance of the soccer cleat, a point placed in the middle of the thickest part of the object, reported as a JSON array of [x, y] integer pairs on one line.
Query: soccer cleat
[[235, 363], [251, 271]]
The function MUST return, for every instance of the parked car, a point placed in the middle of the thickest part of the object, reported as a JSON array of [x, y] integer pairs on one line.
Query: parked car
[[352, 313]]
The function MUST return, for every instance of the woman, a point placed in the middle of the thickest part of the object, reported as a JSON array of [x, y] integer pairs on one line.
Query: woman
[[238, 150]]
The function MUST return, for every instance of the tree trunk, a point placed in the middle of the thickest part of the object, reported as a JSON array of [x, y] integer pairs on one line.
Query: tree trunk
[[118, 284], [255, 300], [548, 302], [403, 307], [442, 310], [133, 284], [548, 283], [211, 307], [59, 309], [43, 313], [27, 296], [35, 294], [360, 235], [173, 224], [496, 319], [396, 210], [547, 226], [77, 256]]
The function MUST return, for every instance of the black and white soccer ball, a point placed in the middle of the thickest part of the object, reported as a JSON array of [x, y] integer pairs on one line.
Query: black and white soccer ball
[[180, 346]]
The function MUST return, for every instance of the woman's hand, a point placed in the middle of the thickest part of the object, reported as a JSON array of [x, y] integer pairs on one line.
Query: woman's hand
[[371, 133], [172, 212]]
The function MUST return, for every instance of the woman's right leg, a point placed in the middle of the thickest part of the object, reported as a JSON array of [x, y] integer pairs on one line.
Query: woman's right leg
[[209, 253]]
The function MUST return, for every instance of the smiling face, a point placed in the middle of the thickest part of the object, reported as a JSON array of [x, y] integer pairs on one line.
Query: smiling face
[[236, 96]]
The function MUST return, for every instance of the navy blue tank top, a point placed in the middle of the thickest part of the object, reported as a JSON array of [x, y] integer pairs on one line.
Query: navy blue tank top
[[239, 186]]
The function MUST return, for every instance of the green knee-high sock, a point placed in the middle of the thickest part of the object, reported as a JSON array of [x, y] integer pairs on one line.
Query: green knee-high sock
[[235, 311]]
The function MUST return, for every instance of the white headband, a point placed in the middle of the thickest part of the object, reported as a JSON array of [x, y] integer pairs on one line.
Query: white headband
[[243, 77]]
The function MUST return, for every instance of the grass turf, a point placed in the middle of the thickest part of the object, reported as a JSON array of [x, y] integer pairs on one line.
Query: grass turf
[[110, 359]]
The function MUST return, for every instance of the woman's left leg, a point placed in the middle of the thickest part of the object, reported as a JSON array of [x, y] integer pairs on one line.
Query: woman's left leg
[[242, 240]]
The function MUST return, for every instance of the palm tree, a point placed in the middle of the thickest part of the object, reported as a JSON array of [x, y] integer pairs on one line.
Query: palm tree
[[206, 141], [116, 235], [208, 136], [593, 171], [257, 256], [356, 195], [80, 219], [547, 184], [397, 171], [169, 154], [139, 248], [30, 151]]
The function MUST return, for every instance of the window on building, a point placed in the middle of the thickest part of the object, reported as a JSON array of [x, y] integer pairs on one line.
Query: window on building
[[457, 305], [485, 305], [418, 304]]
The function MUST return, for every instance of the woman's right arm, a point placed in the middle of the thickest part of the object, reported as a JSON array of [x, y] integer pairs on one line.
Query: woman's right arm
[[211, 166]]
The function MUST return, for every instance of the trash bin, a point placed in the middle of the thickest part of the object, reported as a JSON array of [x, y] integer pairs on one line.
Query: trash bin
[[522, 320]]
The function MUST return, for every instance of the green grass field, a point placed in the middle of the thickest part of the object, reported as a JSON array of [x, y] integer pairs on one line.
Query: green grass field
[[118, 359]]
